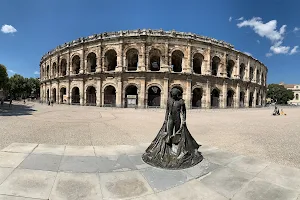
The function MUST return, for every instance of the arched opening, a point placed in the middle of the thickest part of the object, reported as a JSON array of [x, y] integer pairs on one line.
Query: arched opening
[[75, 96], [54, 95], [177, 57], [54, 69], [251, 73], [131, 96], [297, 96], [257, 76], [197, 98], [230, 98], [154, 96], [242, 99], [110, 61], [154, 60], [197, 62], [91, 96], [242, 71], [63, 95], [215, 65], [229, 68], [132, 56], [47, 73], [91, 62], [76, 64], [109, 96], [48, 95], [214, 98], [251, 99], [63, 65]]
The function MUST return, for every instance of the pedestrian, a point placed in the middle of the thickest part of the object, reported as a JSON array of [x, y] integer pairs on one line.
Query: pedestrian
[[52, 102], [10, 102]]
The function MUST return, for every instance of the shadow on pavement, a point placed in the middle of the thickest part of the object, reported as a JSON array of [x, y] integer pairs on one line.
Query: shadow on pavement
[[15, 110]]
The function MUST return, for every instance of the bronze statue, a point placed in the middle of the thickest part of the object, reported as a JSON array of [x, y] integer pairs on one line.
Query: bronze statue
[[174, 147]]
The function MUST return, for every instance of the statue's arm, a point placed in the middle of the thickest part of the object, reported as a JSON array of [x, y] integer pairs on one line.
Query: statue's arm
[[183, 112], [167, 111]]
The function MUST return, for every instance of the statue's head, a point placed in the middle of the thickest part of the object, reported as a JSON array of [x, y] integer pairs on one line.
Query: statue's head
[[175, 93]]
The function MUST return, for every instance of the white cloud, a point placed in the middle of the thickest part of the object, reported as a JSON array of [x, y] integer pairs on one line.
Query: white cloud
[[11, 71], [8, 29], [240, 19], [258, 41], [36, 73], [294, 50], [269, 30], [249, 54], [269, 54], [296, 29], [230, 18]]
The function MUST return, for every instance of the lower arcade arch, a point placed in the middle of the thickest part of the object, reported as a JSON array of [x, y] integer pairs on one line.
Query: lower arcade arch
[[48, 95], [154, 96], [63, 95], [197, 98], [91, 96], [215, 98], [251, 99], [109, 96], [230, 99], [131, 96], [53, 95], [75, 98], [242, 99]]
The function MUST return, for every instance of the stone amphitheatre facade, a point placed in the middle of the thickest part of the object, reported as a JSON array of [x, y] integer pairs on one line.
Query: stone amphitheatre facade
[[138, 68]]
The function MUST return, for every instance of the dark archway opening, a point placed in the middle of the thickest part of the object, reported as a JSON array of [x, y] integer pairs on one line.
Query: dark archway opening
[[215, 65], [110, 60], [54, 95], [92, 62], [197, 63], [154, 95], [76, 64], [251, 99], [109, 96], [63, 93], [48, 95], [131, 96], [177, 57], [132, 56], [229, 68], [251, 73], [242, 99], [75, 96], [197, 98], [230, 99], [91, 96], [154, 64], [54, 69], [63, 67], [242, 71], [214, 100]]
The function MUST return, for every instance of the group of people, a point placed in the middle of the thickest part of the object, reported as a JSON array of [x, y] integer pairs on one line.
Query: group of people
[[276, 111]]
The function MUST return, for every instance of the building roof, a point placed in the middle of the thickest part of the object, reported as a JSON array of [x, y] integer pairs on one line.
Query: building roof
[[287, 85]]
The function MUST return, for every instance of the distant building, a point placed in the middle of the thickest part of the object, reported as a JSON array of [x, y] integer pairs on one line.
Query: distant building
[[296, 90]]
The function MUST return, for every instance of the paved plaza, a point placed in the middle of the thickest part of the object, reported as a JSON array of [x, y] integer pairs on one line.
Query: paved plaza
[[74, 152]]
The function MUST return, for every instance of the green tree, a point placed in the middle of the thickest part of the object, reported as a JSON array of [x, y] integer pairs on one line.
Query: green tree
[[279, 93], [3, 77], [17, 86]]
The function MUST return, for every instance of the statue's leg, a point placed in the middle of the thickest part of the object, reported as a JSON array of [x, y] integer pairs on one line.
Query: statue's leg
[[177, 125], [170, 127]]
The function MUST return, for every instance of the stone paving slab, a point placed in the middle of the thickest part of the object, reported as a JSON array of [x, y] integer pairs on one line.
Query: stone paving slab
[[58, 172]]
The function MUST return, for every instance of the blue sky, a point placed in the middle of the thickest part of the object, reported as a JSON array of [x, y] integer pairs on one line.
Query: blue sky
[[267, 29]]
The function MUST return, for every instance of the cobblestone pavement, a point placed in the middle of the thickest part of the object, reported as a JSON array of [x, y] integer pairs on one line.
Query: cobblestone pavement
[[253, 132], [31, 171]]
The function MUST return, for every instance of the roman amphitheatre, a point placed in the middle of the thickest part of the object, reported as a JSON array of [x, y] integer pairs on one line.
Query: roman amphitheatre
[[138, 68]]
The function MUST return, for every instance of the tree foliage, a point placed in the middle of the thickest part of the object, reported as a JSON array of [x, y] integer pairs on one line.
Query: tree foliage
[[279, 93], [20, 87], [3, 77]]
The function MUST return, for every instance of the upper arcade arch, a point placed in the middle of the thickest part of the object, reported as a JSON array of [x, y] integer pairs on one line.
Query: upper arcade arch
[[197, 63], [176, 60], [215, 64], [154, 59], [229, 68], [54, 68], [132, 58], [110, 60], [242, 71], [63, 66], [76, 64], [48, 71], [251, 73], [91, 62]]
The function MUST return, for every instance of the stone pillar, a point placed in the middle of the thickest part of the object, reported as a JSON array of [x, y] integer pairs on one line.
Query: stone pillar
[[166, 62], [207, 63], [81, 71], [98, 94], [86, 67], [68, 65], [255, 74], [247, 98], [99, 59], [254, 98], [120, 58], [141, 95], [237, 68], [119, 93], [188, 94], [187, 67], [82, 93], [166, 93], [223, 66], [142, 58], [247, 71], [208, 95], [224, 105], [237, 95]]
